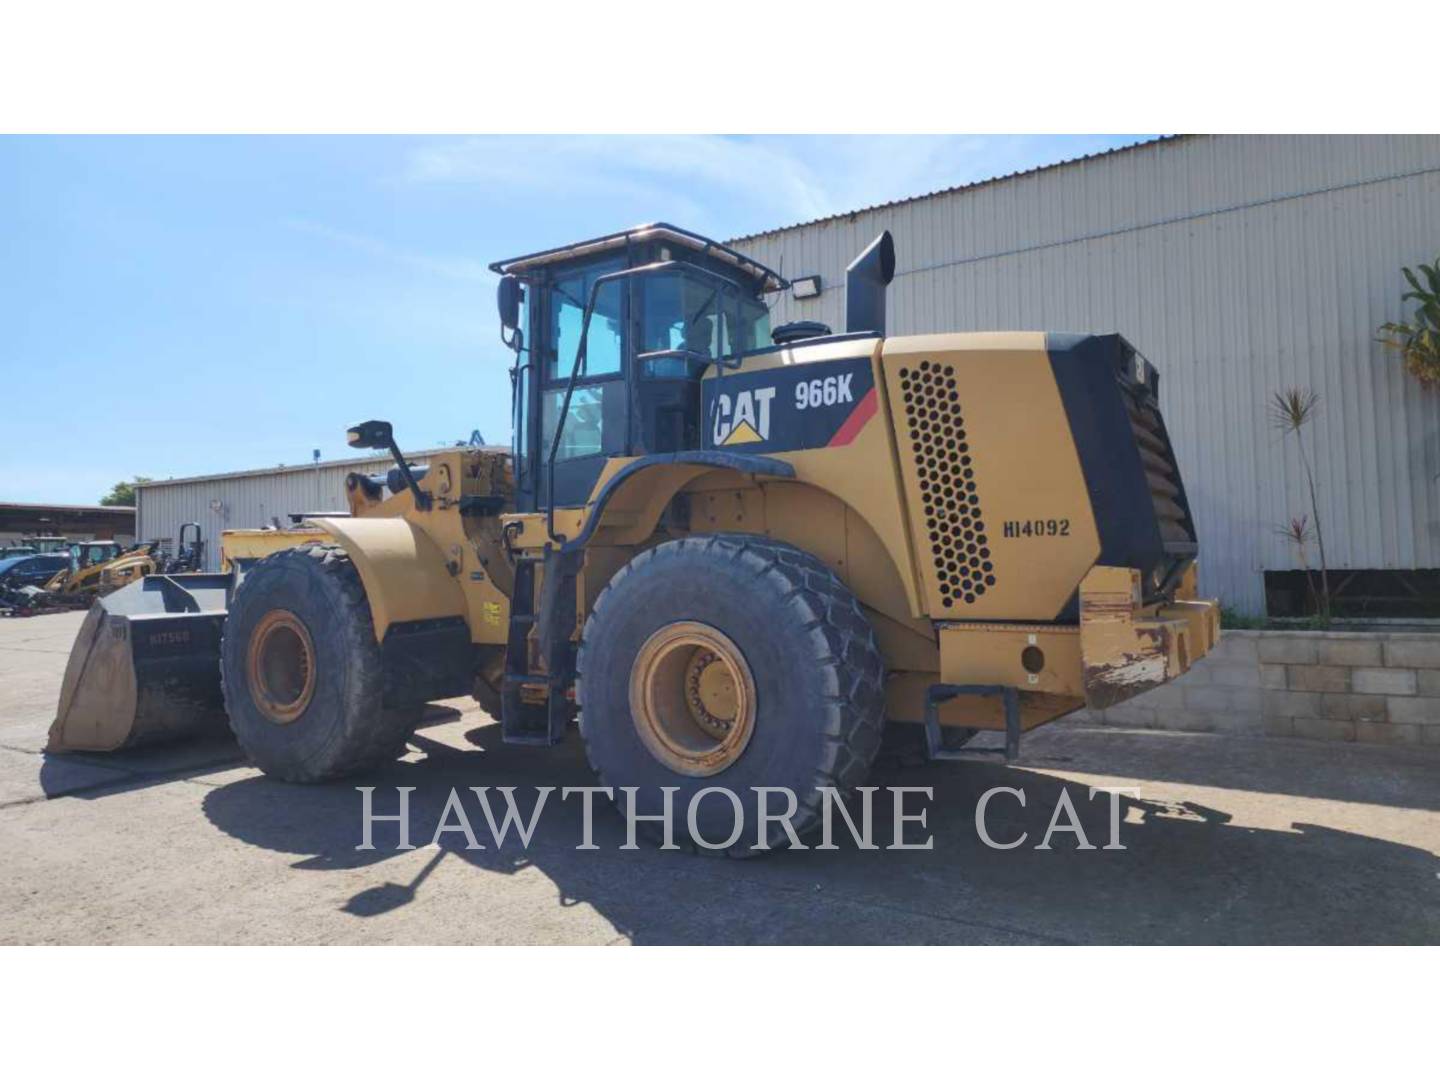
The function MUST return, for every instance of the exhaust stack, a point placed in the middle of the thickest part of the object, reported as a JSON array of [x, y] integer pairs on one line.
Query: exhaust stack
[[865, 282]]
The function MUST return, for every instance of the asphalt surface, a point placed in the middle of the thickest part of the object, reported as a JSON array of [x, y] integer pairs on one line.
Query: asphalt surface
[[1228, 840]]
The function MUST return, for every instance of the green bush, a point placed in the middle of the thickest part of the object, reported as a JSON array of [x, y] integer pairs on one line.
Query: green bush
[[1418, 341], [1230, 619]]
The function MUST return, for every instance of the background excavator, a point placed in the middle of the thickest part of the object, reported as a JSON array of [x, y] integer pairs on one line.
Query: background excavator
[[734, 553]]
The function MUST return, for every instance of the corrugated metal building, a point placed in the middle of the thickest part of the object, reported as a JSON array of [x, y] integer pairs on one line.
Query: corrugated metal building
[[247, 500], [1238, 265]]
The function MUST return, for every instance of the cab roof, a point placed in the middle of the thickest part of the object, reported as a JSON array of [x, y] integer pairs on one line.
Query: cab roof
[[767, 280]]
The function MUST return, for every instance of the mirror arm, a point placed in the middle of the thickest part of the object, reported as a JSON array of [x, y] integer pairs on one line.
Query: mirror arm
[[422, 498]]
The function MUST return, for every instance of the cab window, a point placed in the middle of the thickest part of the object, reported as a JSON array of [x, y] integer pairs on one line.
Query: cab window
[[594, 425], [682, 311], [596, 420], [568, 297]]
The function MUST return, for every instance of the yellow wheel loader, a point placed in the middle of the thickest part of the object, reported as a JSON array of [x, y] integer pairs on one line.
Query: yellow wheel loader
[[98, 567], [734, 553]]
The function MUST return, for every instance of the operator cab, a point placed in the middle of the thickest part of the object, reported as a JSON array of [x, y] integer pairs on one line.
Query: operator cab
[[92, 552], [611, 338]]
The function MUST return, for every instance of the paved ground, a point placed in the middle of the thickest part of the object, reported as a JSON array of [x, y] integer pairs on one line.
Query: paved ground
[[1230, 840]]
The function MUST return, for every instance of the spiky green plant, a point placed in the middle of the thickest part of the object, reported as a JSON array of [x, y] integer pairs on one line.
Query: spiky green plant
[[1418, 341], [1290, 411]]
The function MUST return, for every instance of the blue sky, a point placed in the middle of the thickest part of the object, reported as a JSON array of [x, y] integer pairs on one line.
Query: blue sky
[[178, 306]]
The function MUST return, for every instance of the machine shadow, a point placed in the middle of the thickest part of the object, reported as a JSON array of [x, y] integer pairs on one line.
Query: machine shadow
[[1186, 875], [137, 768], [147, 766], [1398, 776]]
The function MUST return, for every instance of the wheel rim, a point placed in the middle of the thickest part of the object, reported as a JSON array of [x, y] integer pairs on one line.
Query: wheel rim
[[692, 698], [281, 666]]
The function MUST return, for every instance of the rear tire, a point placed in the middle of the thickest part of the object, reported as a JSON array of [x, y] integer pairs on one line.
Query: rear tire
[[302, 672], [777, 646]]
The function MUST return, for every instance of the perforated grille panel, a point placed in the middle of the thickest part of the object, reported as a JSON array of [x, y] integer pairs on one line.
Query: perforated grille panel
[[946, 474]]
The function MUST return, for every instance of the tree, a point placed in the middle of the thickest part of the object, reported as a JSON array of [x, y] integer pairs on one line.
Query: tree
[[123, 493], [1418, 341]]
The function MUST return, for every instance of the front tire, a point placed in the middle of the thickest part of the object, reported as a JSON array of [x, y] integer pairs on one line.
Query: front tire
[[735, 662], [302, 672]]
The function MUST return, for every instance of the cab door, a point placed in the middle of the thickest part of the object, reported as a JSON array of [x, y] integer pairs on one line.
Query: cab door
[[596, 423]]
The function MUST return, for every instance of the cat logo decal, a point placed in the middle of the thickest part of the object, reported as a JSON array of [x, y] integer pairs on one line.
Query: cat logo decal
[[746, 419]]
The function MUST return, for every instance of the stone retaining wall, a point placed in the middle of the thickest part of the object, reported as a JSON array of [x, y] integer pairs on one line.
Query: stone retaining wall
[[1348, 685]]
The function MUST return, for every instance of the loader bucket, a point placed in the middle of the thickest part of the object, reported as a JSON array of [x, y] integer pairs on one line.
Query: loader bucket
[[145, 666]]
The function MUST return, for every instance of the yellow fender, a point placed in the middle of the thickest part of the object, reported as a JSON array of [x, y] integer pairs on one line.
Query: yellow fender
[[404, 571]]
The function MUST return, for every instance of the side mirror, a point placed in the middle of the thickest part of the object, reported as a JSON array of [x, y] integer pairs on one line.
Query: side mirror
[[371, 435], [507, 299]]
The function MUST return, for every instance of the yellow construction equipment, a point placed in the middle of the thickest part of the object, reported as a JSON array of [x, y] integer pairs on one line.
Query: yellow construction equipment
[[98, 567], [242, 548], [735, 553]]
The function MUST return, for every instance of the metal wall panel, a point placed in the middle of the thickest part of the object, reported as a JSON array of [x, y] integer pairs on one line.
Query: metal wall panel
[[1238, 265], [247, 500]]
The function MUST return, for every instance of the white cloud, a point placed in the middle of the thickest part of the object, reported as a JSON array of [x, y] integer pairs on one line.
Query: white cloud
[[641, 168], [778, 179], [457, 268]]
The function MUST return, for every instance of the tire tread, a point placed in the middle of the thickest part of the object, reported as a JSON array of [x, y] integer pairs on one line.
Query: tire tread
[[365, 744], [844, 643]]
